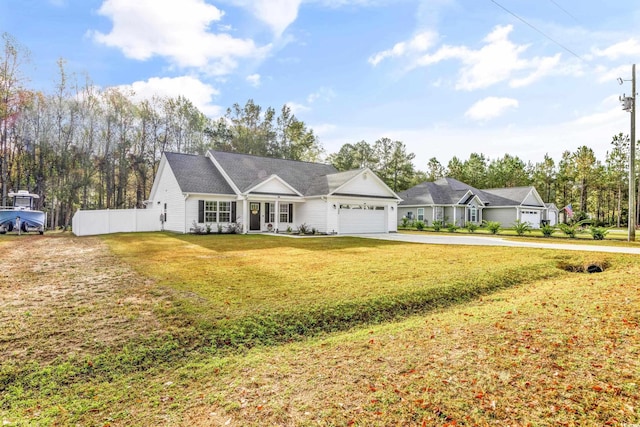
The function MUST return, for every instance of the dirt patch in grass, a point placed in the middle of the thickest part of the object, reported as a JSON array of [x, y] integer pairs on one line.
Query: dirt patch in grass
[[67, 296]]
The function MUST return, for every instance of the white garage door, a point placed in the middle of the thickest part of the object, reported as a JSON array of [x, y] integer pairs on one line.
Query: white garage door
[[360, 219], [532, 217]]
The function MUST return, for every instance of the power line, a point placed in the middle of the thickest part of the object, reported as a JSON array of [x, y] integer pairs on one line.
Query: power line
[[537, 30], [564, 10]]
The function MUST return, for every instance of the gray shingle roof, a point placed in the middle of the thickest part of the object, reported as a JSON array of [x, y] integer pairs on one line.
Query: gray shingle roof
[[448, 191], [511, 196], [246, 171], [444, 191], [197, 174], [330, 183]]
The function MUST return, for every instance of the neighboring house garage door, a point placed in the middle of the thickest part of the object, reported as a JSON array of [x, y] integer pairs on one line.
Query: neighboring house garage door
[[361, 219], [532, 217]]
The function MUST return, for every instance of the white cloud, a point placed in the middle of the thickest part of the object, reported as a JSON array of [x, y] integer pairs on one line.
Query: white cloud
[[277, 14], [493, 63], [297, 108], [627, 48], [418, 44], [498, 60], [199, 93], [323, 94], [541, 68], [490, 108], [611, 75], [175, 30], [254, 80]]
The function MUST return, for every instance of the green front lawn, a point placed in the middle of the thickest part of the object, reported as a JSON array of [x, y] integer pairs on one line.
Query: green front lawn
[[165, 329], [265, 289]]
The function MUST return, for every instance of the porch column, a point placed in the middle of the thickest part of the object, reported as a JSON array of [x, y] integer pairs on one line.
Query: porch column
[[276, 214], [245, 215], [455, 210]]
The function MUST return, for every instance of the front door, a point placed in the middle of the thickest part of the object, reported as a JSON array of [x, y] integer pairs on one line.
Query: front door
[[254, 216]]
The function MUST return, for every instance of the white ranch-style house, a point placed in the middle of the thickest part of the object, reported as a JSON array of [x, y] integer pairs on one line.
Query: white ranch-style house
[[263, 194], [451, 201]]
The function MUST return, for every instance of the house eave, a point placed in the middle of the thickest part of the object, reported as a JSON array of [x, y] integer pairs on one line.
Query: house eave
[[344, 195], [188, 194]]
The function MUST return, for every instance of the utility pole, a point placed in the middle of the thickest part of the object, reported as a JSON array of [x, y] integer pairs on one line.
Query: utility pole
[[632, 160], [629, 104]]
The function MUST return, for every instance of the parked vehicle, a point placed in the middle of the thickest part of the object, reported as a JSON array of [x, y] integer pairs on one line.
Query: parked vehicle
[[21, 217]]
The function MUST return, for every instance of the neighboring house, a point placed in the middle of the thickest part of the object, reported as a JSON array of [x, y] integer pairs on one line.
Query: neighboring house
[[552, 214], [265, 194], [451, 201]]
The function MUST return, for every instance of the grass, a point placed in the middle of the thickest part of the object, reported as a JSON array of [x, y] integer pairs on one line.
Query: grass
[[352, 332]]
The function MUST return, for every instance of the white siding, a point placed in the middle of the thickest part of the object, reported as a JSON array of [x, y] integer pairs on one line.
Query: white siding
[[392, 217], [313, 213], [191, 205], [273, 186], [168, 192], [365, 184], [191, 212], [332, 215]]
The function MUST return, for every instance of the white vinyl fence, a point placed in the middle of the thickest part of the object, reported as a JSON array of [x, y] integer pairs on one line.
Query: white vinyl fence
[[88, 223]]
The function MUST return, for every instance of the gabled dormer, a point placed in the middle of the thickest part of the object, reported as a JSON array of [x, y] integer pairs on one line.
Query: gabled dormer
[[362, 182], [273, 185]]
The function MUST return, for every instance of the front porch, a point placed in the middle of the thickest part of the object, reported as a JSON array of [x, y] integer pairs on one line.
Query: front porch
[[269, 214]]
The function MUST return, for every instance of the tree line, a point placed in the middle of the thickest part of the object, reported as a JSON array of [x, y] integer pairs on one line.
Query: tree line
[[595, 188], [85, 147]]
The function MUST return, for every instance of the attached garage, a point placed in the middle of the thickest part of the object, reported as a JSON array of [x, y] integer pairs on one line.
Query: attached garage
[[356, 219], [530, 216]]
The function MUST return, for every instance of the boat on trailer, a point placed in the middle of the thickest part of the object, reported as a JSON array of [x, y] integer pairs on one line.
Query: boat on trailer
[[21, 216]]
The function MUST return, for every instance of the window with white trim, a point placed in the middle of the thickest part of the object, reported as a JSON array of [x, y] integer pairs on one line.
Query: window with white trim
[[473, 213], [284, 212], [420, 214], [210, 211], [224, 212], [272, 213]]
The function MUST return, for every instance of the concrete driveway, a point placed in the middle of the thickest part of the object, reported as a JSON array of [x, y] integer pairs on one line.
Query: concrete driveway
[[461, 239]]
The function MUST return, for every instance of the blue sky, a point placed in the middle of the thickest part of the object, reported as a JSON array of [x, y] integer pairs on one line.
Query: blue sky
[[446, 77]]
